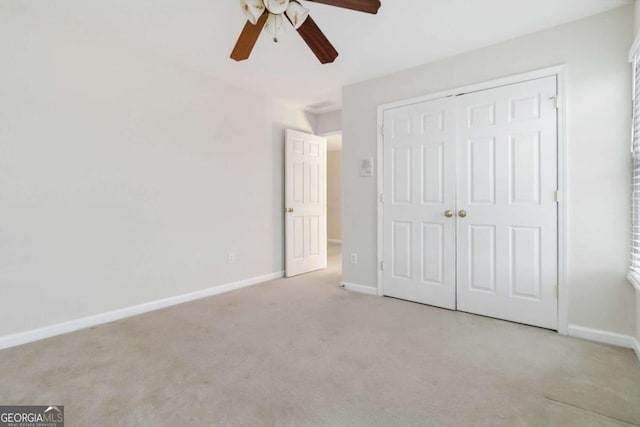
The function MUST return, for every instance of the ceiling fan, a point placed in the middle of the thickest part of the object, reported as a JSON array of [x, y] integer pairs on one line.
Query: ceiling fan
[[270, 16]]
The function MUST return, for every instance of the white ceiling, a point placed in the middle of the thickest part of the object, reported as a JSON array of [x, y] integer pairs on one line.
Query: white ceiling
[[200, 34]]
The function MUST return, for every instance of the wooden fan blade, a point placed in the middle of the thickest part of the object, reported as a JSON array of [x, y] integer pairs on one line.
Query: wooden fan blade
[[317, 41], [367, 6], [248, 39]]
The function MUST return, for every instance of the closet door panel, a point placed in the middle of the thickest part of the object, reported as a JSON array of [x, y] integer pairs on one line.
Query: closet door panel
[[419, 186], [507, 263]]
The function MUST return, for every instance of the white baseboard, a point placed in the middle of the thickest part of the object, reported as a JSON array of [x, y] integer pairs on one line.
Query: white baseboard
[[110, 316], [605, 337], [353, 287], [334, 241]]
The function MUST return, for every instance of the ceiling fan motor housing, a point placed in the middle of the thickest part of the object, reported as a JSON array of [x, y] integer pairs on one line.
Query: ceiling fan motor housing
[[276, 7]]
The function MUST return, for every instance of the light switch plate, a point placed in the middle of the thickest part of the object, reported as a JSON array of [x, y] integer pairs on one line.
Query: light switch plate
[[366, 167]]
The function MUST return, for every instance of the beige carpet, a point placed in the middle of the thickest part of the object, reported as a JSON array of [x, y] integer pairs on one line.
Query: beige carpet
[[302, 352]]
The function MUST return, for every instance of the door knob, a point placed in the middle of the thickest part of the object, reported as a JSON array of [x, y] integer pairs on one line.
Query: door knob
[[448, 213], [290, 210], [462, 214]]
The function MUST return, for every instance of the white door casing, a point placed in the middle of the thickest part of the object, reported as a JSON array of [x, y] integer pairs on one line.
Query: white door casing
[[501, 258], [507, 257], [305, 203], [419, 163]]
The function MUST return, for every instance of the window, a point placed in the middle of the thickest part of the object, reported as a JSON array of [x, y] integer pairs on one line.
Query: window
[[634, 269]]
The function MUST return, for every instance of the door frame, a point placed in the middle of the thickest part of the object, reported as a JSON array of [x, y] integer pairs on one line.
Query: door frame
[[560, 72]]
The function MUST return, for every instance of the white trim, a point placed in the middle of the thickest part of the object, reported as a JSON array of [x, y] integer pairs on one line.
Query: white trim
[[560, 71], [634, 48], [563, 202], [634, 281], [490, 84], [111, 316], [334, 241], [379, 198], [362, 289], [605, 337]]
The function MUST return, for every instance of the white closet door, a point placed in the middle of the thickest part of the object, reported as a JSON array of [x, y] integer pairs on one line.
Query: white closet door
[[419, 186], [507, 243]]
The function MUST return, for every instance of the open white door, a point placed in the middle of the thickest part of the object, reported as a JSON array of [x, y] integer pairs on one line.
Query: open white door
[[305, 203]]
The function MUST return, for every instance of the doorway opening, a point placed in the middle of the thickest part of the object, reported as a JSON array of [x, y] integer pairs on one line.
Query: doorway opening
[[334, 200], [313, 203]]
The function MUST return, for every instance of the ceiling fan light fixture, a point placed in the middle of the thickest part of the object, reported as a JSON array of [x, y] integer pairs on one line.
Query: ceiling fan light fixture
[[269, 15], [297, 14], [274, 25], [253, 9]]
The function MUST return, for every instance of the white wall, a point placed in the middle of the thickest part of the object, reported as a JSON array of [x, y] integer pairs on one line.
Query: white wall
[[595, 50], [125, 179], [637, 16]]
